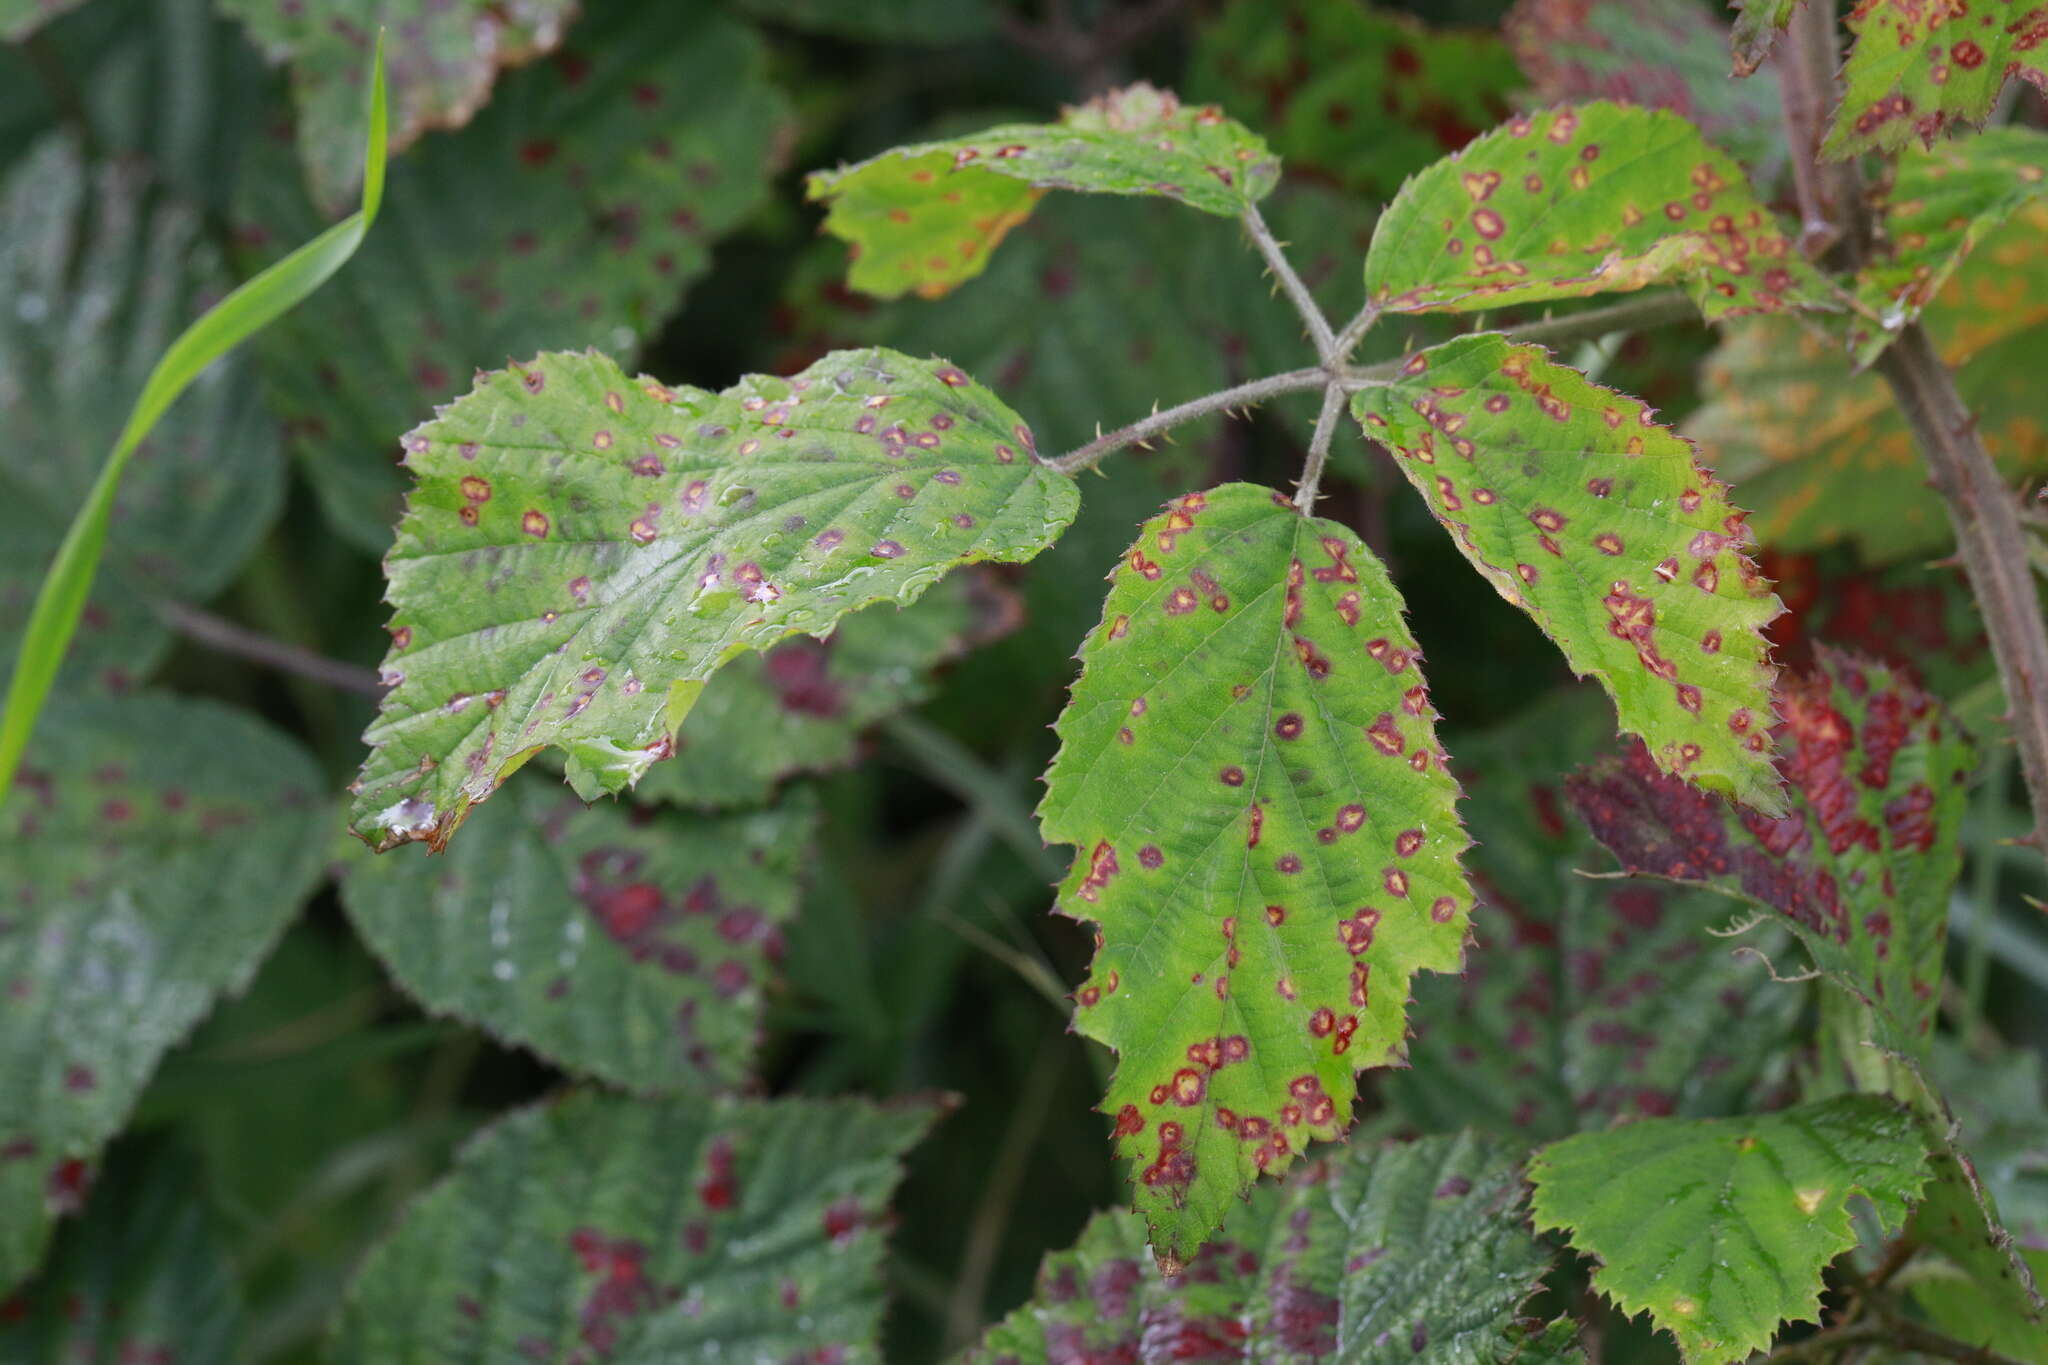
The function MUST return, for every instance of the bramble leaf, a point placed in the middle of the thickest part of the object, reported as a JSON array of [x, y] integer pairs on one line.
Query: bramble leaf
[[631, 945], [441, 60], [573, 211], [1602, 525], [1373, 1255], [1596, 198], [1266, 839], [926, 217], [603, 1228], [1357, 96], [583, 551], [1824, 455], [1660, 54], [1941, 204], [155, 847], [1720, 1227], [145, 1277], [1757, 26], [1586, 1000], [1862, 864], [1916, 70]]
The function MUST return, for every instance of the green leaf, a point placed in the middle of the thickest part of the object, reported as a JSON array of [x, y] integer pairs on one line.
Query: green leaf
[[602, 1228], [251, 307], [1917, 70], [442, 61], [144, 1276], [926, 216], [804, 706], [1586, 1000], [1941, 204], [155, 849], [1400, 1253], [1266, 839], [1596, 198], [574, 210], [1660, 54], [1603, 526], [1824, 455], [1757, 26], [102, 267], [1360, 97], [19, 18], [630, 945], [1720, 1227], [1863, 863], [583, 551]]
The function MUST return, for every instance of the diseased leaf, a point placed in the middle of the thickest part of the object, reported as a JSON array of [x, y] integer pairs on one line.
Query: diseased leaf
[[1361, 97], [102, 269], [1585, 1001], [1941, 204], [144, 1277], [631, 945], [19, 18], [602, 1228], [1920, 618], [1266, 839], [1862, 864], [1916, 70], [583, 551], [155, 847], [1580, 509], [1988, 1287], [1720, 1227], [1590, 199], [1660, 54], [1824, 455], [574, 210], [1400, 1253], [804, 705], [441, 59], [1757, 26], [925, 217]]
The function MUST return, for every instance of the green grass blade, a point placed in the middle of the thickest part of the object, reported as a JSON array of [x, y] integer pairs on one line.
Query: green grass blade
[[247, 310]]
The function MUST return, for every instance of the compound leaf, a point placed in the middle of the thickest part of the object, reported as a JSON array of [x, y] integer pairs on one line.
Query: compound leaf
[[926, 217], [1266, 839], [630, 945], [604, 1228], [441, 61], [1720, 1227], [1602, 525], [1916, 69], [574, 210], [583, 551], [1586, 1000], [1862, 864], [1401, 1253], [155, 848], [1589, 199]]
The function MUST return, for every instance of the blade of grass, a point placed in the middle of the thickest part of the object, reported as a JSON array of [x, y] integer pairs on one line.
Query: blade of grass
[[251, 307]]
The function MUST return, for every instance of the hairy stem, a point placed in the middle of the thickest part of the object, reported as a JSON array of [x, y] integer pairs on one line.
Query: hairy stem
[[1297, 292], [1258, 391], [216, 632], [1354, 330], [1319, 447]]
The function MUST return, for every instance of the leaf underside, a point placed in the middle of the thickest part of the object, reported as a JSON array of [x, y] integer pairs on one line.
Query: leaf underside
[[1589, 199], [1417, 1254], [1916, 70], [155, 847], [926, 217], [599, 1228], [629, 945], [1861, 866], [1579, 508], [583, 551], [1720, 1228], [1266, 839]]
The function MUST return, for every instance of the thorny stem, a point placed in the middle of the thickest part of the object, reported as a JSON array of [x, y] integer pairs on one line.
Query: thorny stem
[[1297, 292], [215, 632], [1293, 381], [1983, 511], [1361, 323], [1828, 193], [1319, 447]]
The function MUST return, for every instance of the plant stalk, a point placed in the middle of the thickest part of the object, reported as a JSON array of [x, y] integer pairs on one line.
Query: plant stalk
[[1297, 292], [1319, 448], [216, 632]]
